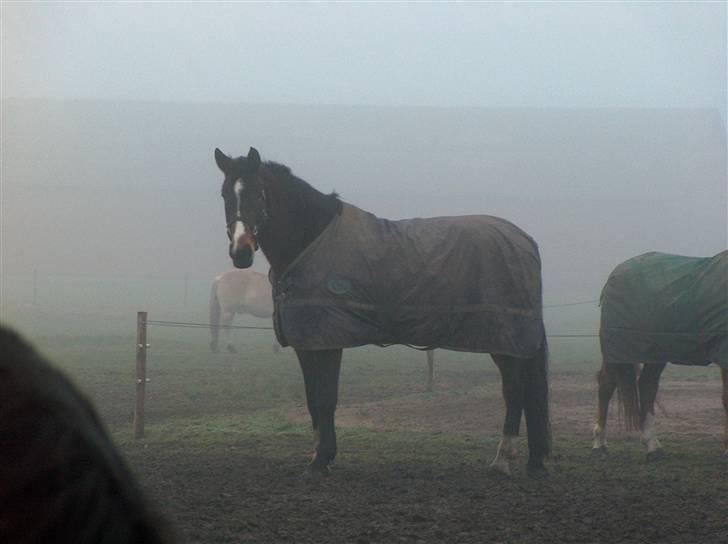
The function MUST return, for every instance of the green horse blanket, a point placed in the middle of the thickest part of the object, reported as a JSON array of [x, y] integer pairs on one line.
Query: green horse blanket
[[666, 308]]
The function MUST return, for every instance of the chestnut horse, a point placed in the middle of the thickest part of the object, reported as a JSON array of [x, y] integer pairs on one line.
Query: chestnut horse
[[658, 308], [267, 206]]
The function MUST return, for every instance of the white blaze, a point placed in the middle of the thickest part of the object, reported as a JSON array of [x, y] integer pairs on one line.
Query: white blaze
[[239, 230]]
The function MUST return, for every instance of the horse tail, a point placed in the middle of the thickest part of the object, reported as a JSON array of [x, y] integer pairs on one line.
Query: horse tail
[[628, 394], [215, 311], [536, 401]]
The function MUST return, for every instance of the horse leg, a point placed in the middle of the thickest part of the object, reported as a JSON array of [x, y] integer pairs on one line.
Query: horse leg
[[513, 390], [226, 322], [321, 379], [648, 384], [607, 382], [724, 375], [310, 376]]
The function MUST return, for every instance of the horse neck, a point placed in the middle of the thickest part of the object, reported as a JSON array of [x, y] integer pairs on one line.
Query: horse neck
[[298, 214]]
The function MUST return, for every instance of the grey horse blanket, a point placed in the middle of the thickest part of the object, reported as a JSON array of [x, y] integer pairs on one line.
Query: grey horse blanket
[[470, 283], [666, 308]]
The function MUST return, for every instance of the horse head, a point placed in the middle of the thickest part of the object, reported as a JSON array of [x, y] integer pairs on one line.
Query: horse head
[[246, 211]]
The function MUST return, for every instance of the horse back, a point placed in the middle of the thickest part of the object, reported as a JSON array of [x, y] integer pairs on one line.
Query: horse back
[[660, 307], [245, 292]]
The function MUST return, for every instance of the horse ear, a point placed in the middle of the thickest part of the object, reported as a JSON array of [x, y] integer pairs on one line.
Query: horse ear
[[222, 160], [254, 158]]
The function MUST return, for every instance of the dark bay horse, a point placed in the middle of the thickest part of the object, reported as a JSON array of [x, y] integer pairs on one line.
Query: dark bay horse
[[658, 308], [343, 278]]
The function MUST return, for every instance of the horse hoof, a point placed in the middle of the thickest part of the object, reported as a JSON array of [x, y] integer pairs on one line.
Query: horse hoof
[[601, 451], [536, 471], [316, 472], [231, 349], [655, 456], [500, 468]]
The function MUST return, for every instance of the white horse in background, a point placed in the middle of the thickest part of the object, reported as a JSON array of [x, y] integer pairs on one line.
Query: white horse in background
[[244, 291], [238, 291]]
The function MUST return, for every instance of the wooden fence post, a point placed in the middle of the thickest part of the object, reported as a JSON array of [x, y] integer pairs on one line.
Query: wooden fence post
[[141, 373], [430, 369]]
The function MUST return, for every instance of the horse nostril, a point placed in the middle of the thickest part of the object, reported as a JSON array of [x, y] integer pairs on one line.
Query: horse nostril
[[240, 250]]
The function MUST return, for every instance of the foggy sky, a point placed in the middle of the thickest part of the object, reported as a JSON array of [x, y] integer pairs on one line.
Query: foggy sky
[[596, 127], [488, 55]]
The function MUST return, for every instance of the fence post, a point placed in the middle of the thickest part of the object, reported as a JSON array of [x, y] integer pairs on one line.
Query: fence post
[[430, 369], [141, 373]]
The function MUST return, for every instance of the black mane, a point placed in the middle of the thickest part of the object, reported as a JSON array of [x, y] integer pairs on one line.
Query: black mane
[[299, 214], [281, 171]]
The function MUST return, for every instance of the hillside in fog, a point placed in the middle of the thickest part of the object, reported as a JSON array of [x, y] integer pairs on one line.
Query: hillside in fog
[[93, 187]]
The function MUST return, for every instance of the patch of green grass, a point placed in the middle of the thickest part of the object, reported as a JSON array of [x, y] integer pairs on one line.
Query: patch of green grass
[[199, 399], [198, 431]]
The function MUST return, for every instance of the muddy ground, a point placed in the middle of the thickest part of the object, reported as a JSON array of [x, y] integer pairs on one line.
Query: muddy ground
[[227, 439], [413, 468]]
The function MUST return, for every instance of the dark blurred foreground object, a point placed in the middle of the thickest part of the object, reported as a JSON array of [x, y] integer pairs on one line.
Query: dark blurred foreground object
[[61, 478]]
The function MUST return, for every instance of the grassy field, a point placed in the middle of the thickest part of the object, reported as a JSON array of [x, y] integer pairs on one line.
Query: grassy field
[[227, 438]]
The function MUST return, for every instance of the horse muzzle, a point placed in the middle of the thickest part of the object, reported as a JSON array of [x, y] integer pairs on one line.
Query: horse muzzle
[[242, 257]]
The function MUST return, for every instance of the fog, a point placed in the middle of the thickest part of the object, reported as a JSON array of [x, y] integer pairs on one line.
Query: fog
[[526, 54], [599, 129]]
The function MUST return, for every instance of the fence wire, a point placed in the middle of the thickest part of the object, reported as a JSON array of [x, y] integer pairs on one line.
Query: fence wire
[[193, 325], [570, 304]]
